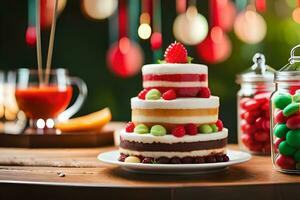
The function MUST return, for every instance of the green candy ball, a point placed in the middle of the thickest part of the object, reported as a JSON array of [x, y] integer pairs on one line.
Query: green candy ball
[[158, 130], [296, 97], [214, 128], [290, 109], [141, 129], [293, 138], [280, 130], [205, 128], [286, 149], [153, 94], [282, 100], [297, 156]]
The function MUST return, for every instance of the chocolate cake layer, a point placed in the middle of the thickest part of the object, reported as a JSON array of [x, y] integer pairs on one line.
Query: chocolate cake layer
[[175, 147]]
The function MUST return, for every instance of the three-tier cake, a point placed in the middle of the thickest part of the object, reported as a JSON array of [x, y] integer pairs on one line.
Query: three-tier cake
[[174, 118]]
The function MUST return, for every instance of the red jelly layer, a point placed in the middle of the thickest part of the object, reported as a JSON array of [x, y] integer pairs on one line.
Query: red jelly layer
[[175, 77]]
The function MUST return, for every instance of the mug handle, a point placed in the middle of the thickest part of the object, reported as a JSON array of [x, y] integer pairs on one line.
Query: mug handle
[[64, 116]]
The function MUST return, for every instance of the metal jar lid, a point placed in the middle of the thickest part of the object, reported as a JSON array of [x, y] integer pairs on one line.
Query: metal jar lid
[[258, 72], [291, 71]]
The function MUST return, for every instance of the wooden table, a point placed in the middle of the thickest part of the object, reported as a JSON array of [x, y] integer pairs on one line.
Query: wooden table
[[253, 179]]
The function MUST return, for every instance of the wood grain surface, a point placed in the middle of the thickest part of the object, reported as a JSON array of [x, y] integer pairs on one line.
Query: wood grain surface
[[253, 177]]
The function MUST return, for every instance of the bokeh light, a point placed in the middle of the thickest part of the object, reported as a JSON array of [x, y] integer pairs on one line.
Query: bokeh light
[[250, 27], [156, 41], [99, 9], [216, 47], [125, 58], [191, 27], [144, 31], [296, 15], [30, 36]]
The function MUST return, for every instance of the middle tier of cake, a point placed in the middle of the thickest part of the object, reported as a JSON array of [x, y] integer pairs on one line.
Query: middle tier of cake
[[175, 112]]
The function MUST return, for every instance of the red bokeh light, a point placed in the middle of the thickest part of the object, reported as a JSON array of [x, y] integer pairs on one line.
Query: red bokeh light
[[216, 47], [156, 41], [30, 36], [125, 58]]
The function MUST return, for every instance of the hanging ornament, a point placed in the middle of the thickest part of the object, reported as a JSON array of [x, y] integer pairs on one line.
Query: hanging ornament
[[216, 47], [191, 27], [223, 14], [156, 37], [156, 41], [30, 35], [99, 9], [124, 57], [250, 27], [144, 30], [261, 5], [296, 13], [47, 7]]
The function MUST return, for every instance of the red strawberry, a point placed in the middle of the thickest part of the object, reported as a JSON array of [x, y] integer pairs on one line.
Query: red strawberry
[[142, 94], [220, 125], [176, 53], [191, 129], [130, 127], [178, 131], [204, 92], [169, 95]]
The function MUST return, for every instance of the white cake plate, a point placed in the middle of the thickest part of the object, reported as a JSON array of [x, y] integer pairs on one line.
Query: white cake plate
[[235, 157]]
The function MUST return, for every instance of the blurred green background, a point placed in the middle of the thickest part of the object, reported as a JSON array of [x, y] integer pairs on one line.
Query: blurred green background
[[81, 45]]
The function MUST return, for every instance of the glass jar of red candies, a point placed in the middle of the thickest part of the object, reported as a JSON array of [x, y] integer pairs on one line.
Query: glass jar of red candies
[[253, 106], [285, 121]]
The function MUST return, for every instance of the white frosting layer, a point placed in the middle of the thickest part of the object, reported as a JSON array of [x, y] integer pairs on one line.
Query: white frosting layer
[[170, 139], [171, 68], [179, 103], [176, 120], [174, 84], [157, 154]]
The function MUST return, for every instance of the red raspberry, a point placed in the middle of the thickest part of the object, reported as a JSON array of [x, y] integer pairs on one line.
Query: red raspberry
[[130, 127], [169, 95], [142, 94], [191, 129], [178, 131], [220, 125], [176, 53], [204, 92]]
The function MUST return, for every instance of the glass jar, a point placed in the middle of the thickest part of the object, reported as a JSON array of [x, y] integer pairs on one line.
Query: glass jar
[[285, 121], [253, 110]]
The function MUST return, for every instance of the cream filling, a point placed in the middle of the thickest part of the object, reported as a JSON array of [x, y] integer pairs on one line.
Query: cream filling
[[179, 103], [170, 139], [157, 154], [172, 68], [147, 84], [176, 120]]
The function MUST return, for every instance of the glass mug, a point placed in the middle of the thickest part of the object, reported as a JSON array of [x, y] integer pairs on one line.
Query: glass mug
[[46, 103]]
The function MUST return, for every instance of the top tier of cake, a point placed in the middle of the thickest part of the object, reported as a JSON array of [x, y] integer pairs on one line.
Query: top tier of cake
[[186, 80]]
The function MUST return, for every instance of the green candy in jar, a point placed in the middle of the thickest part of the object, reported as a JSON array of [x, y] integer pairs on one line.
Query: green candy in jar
[[293, 138], [282, 100], [280, 130], [291, 109], [158, 130], [297, 156], [286, 149]]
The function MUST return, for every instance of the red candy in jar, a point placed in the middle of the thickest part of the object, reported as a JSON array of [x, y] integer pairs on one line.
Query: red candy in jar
[[254, 106]]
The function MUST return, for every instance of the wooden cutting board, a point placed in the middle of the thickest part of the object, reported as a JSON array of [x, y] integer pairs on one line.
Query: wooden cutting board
[[64, 140]]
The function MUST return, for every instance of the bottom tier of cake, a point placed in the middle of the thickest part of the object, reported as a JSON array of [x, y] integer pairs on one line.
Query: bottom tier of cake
[[168, 149]]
